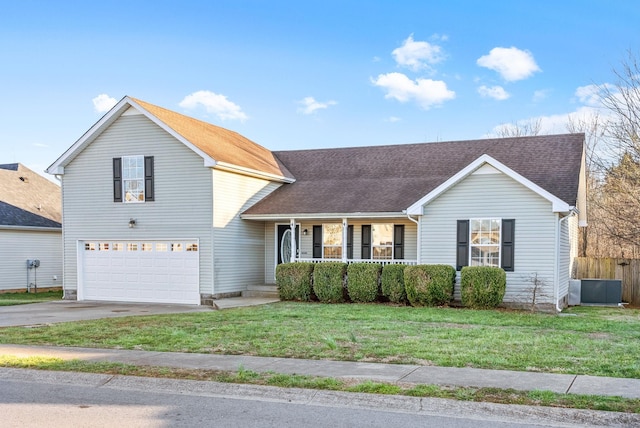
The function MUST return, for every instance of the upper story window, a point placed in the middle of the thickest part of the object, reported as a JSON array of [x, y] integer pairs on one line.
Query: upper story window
[[133, 179]]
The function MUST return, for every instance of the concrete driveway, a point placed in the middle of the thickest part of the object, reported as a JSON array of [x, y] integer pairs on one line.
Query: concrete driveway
[[64, 310]]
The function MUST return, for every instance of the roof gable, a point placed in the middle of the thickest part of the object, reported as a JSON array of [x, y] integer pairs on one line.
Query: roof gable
[[27, 199], [390, 179], [219, 147], [558, 205]]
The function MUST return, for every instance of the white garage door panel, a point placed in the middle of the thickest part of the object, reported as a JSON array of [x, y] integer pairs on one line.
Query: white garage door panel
[[135, 271]]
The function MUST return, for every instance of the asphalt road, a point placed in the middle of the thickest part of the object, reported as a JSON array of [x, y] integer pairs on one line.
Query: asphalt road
[[30, 398]]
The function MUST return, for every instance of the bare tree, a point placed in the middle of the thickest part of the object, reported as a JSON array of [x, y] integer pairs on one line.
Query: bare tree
[[519, 129]]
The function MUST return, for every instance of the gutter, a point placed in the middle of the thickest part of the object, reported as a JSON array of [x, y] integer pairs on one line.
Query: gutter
[[556, 287], [417, 222]]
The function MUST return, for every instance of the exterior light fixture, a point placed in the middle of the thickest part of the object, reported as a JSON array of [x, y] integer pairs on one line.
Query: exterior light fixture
[[304, 232], [132, 223]]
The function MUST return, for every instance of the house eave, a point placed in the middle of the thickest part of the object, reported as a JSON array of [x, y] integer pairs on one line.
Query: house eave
[[322, 216], [223, 166], [31, 228]]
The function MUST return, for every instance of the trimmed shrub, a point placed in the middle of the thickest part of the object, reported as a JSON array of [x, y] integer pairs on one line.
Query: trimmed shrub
[[429, 285], [362, 281], [393, 283], [328, 282], [482, 287], [294, 281]]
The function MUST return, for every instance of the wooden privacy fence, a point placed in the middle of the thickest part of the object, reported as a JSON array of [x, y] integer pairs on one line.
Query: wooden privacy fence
[[628, 270]]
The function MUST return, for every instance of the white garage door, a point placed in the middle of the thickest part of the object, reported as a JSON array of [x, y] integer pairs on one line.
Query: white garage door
[[140, 271]]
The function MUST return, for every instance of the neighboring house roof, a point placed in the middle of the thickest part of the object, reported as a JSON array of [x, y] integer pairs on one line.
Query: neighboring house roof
[[219, 147], [27, 199], [389, 179]]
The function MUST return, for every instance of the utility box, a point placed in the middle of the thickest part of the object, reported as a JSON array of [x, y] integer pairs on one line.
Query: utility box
[[575, 286], [601, 291]]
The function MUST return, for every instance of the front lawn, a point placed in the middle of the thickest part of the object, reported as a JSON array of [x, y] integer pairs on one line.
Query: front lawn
[[584, 340], [10, 299]]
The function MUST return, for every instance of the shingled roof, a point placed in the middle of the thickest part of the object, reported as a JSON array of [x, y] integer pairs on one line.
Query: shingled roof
[[388, 179], [28, 199], [219, 143]]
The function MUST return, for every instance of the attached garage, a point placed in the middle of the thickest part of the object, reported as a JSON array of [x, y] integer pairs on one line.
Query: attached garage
[[153, 271]]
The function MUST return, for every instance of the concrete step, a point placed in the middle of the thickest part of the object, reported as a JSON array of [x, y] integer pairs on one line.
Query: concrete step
[[263, 290]]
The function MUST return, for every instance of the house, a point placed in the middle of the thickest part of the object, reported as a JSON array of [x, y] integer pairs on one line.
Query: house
[[161, 207], [30, 229]]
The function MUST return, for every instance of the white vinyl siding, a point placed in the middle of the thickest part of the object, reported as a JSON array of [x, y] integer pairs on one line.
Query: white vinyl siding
[[183, 195], [239, 244], [495, 196], [568, 252], [18, 246]]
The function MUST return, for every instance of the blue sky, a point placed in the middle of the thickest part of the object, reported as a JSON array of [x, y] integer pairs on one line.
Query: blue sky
[[306, 74]]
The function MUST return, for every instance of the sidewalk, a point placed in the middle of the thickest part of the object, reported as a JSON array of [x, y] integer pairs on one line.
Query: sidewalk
[[392, 373]]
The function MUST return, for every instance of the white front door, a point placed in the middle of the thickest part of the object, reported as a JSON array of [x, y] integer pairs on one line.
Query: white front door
[[155, 271]]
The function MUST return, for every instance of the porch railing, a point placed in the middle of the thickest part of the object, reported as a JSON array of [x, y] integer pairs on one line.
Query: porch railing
[[349, 261]]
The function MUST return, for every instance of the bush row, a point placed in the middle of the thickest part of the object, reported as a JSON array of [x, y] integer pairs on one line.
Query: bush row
[[421, 285]]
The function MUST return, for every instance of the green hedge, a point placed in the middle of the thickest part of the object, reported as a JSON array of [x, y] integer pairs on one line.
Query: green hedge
[[362, 282], [393, 283], [294, 281], [328, 282], [429, 285], [482, 287]]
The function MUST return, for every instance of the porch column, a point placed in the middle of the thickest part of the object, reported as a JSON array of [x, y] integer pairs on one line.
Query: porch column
[[344, 240], [292, 224]]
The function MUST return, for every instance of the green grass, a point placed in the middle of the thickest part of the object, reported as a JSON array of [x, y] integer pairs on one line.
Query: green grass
[[588, 340], [495, 395], [10, 299]]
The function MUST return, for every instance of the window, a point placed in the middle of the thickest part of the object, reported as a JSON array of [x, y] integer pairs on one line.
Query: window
[[319, 241], [147, 247], [132, 246], [161, 247], [176, 247], [89, 246], [117, 246], [485, 242], [332, 241], [103, 246], [382, 241], [133, 179], [192, 247]]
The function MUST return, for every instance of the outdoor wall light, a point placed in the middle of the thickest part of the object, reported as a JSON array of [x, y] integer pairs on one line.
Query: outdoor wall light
[[304, 232], [132, 223]]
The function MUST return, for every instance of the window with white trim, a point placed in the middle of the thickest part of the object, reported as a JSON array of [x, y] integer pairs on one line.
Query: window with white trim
[[332, 241], [484, 242], [382, 241], [133, 178]]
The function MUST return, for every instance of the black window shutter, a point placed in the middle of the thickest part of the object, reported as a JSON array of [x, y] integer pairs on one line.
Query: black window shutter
[[350, 241], [317, 242], [462, 244], [366, 241], [508, 232], [117, 179], [148, 178], [398, 241]]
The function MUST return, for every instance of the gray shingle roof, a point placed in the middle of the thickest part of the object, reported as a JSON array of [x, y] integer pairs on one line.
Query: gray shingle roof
[[28, 199], [379, 179]]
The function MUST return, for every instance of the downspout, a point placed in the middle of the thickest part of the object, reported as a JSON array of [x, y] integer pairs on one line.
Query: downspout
[[557, 250], [417, 238]]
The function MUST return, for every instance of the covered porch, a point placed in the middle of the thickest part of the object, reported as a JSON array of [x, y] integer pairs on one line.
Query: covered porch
[[383, 240]]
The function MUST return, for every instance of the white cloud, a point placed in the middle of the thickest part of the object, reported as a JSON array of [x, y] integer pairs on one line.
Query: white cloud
[[425, 92], [417, 55], [540, 95], [215, 104], [310, 105], [393, 119], [495, 92], [511, 63], [103, 103]]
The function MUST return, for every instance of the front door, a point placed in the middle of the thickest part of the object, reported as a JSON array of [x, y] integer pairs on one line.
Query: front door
[[284, 242]]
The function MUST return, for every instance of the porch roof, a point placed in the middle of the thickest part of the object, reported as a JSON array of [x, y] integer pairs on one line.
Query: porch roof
[[389, 179]]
